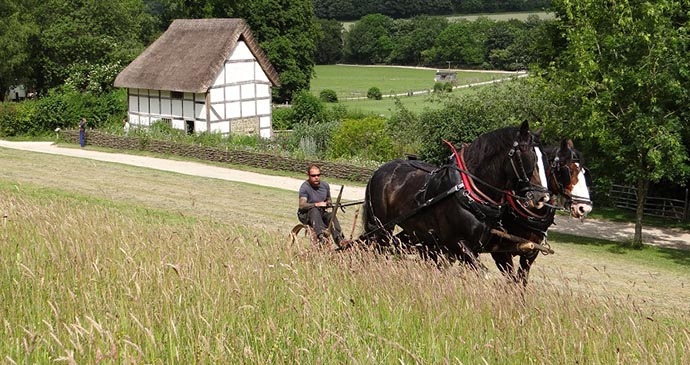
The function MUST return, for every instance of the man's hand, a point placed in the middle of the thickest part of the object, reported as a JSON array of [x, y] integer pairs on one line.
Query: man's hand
[[321, 204]]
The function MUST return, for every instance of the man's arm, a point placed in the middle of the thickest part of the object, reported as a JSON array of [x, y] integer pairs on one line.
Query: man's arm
[[304, 206]]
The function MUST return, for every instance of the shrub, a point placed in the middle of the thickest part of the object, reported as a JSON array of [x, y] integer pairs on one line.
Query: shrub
[[438, 87], [463, 118], [328, 96], [404, 129], [365, 138], [283, 118], [443, 87], [317, 137], [374, 93], [18, 119], [62, 108], [307, 108]]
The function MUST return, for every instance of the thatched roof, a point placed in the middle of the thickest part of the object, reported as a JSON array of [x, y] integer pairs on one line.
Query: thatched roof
[[189, 56]]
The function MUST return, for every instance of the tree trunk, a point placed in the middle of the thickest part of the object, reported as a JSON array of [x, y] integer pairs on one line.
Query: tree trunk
[[642, 187]]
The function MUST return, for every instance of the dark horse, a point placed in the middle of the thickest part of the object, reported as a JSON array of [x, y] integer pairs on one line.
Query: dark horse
[[567, 180], [451, 209]]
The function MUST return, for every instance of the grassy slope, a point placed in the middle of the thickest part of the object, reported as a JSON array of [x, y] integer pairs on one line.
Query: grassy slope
[[117, 263]]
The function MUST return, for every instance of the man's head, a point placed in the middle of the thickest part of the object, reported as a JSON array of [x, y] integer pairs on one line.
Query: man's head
[[314, 176]]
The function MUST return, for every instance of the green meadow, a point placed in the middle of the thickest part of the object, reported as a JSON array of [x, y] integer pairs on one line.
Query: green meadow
[[351, 82]]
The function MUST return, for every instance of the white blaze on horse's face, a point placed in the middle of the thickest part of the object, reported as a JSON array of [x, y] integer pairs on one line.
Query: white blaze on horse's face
[[542, 168], [580, 193], [537, 199]]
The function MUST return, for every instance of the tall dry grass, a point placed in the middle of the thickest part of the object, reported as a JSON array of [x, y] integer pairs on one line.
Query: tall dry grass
[[89, 281]]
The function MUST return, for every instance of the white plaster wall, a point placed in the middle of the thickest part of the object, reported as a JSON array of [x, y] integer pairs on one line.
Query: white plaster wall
[[217, 95], [263, 107], [232, 110], [217, 111], [259, 73], [239, 71], [221, 127], [263, 91], [248, 108], [232, 93], [241, 52], [247, 91]]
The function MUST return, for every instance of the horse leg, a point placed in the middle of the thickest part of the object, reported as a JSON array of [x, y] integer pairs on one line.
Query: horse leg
[[468, 256], [526, 261], [504, 263]]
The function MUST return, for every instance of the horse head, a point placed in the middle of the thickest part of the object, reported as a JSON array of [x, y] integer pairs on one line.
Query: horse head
[[528, 166], [538, 194], [570, 179]]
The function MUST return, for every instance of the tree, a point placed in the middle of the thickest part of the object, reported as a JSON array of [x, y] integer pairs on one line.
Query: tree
[[369, 40], [625, 76], [85, 43], [16, 28], [330, 48], [287, 31], [413, 37], [462, 42]]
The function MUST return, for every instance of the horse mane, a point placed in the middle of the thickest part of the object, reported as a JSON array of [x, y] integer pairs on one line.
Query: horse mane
[[552, 152], [486, 147]]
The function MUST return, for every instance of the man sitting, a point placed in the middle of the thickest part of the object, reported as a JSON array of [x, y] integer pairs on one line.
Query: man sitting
[[314, 198]]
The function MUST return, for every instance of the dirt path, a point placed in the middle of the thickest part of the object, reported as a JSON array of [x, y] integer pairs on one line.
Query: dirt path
[[601, 229]]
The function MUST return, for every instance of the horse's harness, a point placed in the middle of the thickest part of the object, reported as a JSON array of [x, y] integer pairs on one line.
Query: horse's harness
[[471, 198]]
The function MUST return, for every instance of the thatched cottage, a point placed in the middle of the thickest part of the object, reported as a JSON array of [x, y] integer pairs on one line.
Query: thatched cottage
[[202, 75]]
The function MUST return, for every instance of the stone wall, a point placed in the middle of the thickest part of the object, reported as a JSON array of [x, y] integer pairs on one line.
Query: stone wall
[[253, 159]]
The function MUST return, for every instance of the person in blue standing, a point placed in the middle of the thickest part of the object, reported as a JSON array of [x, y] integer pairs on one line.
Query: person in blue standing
[[82, 132], [314, 198]]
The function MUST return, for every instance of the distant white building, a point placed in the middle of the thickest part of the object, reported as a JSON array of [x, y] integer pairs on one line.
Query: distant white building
[[446, 76], [202, 75], [16, 93]]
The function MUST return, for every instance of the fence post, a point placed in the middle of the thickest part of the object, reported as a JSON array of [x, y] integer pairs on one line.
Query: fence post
[[685, 210]]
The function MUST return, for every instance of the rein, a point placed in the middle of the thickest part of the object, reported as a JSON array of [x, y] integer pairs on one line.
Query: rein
[[474, 192], [467, 177]]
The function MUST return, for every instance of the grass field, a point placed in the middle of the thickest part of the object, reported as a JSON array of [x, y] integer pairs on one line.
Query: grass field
[[105, 263], [349, 81], [385, 106]]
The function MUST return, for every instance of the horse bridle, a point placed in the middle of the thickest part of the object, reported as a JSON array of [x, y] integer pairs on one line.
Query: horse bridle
[[524, 185], [556, 167]]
